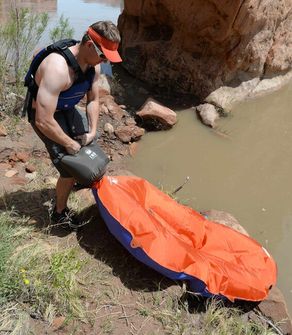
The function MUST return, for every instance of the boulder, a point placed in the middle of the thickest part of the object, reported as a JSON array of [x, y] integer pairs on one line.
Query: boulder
[[275, 308], [129, 133], [208, 114], [224, 218], [195, 46], [156, 115]]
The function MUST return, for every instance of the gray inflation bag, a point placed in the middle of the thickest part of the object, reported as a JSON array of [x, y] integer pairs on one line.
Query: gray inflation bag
[[87, 166]]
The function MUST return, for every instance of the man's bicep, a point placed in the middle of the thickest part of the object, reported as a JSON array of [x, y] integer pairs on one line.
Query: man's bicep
[[48, 94]]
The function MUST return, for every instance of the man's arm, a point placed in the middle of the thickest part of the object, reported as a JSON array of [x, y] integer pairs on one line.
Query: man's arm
[[50, 86], [92, 110]]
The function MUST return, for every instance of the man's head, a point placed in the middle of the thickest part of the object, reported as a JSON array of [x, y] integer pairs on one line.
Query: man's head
[[104, 38]]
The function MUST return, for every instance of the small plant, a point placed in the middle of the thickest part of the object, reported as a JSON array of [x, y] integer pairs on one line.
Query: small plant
[[62, 30], [18, 37], [33, 272]]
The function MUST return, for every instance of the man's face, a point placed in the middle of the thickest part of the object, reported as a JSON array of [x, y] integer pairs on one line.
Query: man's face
[[97, 55]]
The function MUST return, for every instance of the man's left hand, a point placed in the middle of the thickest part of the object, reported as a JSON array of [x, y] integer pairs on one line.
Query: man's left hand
[[85, 138]]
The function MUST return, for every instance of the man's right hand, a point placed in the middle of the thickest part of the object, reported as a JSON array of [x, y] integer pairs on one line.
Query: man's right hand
[[73, 148]]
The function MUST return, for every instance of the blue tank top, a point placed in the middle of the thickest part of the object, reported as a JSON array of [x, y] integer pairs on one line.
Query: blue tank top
[[69, 98]]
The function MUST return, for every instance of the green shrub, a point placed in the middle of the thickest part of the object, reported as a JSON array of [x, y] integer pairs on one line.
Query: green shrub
[[62, 30]]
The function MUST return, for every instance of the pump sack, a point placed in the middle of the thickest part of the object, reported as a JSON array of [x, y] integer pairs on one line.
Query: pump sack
[[87, 166]]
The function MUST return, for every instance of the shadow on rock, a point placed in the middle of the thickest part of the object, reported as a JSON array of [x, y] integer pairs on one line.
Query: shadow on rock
[[96, 239]]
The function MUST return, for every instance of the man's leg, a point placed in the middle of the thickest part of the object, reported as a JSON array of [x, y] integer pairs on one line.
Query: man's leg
[[63, 189]]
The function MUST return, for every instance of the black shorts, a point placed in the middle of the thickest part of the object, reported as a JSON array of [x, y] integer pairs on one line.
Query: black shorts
[[73, 122]]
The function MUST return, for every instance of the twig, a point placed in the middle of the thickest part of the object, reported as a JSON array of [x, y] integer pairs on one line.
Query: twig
[[125, 316], [181, 186], [270, 323]]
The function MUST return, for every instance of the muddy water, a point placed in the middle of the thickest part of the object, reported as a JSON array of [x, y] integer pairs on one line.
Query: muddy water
[[245, 171]]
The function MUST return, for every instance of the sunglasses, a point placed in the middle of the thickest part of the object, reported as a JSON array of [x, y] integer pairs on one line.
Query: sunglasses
[[101, 55]]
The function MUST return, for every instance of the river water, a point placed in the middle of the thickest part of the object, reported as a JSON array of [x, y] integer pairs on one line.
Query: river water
[[244, 171]]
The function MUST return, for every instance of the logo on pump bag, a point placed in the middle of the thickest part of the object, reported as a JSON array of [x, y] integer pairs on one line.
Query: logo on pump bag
[[91, 154]]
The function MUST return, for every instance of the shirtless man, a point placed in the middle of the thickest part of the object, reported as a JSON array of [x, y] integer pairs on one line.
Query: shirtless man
[[57, 84]]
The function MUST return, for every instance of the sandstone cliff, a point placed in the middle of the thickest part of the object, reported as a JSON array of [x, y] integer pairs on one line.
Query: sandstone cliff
[[196, 46]]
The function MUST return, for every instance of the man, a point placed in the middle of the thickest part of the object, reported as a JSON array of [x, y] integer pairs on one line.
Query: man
[[57, 83]]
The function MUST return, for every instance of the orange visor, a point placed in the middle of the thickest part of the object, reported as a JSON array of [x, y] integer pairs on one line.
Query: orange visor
[[108, 47]]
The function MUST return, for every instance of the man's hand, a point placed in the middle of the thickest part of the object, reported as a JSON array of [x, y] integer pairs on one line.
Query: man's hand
[[73, 148], [85, 138]]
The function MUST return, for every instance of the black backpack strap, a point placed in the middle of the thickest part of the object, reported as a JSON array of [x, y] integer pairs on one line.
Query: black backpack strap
[[72, 62], [59, 47]]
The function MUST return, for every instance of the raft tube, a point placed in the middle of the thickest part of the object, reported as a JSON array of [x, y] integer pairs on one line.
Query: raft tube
[[182, 244]]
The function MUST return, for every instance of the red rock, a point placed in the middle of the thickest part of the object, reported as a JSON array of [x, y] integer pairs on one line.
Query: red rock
[[3, 131], [17, 180], [133, 149], [58, 322], [196, 46], [22, 156], [130, 121], [5, 166], [11, 173], [30, 168], [129, 133], [13, 157], [275, 307], [162, 116]]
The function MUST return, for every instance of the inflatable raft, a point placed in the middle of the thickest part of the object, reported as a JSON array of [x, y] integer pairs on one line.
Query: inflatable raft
[[182, 244]]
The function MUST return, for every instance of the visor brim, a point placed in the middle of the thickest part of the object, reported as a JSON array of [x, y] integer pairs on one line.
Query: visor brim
[[112, 55]]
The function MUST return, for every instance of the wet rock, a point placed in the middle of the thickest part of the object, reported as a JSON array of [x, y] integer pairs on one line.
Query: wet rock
[[11, 173], [133, 149], [226, 97], [108, 128], [156, 115], [208, 114], [3, 131], [224, 218], [129, 133]]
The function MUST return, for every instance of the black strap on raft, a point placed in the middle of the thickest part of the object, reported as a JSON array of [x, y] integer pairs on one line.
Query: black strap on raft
[[60, 47]]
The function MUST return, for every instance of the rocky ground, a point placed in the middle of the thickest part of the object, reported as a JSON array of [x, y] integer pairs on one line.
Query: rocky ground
[[25, 163]]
